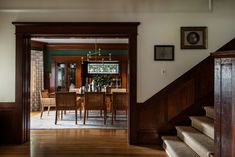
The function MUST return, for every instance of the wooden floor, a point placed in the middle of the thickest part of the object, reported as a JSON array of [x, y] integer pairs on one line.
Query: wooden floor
[[34, 113], [80, 143]]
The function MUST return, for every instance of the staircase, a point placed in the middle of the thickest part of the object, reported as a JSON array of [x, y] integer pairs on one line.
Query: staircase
[[196, 140]]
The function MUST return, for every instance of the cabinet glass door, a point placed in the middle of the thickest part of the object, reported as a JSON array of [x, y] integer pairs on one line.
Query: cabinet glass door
[[72, 75], [61, 77]]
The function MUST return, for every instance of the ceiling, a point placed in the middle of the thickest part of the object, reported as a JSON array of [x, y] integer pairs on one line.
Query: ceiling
[[82, 40]]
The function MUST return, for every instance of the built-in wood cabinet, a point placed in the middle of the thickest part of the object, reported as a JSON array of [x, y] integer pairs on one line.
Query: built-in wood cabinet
[[224, 104], [67, 70], [67, 74]]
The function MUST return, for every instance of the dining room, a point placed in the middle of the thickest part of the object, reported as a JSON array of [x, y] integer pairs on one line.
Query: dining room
[[79, 83]]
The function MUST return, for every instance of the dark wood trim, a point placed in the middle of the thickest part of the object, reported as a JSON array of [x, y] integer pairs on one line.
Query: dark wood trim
[[23, 48], [172, 105], [78, 58], [38, 44], [224, 54], [25, 30], [68, 29], [7, 106], [87, 46], [132, 108]]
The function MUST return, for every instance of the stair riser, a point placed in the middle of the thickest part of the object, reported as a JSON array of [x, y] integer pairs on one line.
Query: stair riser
[[210, 112], [210, 115]]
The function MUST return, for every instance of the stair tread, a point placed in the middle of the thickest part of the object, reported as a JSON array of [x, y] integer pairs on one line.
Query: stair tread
[[203, 124], [177, 148], [200, 143], [209, 111], [209, 107]]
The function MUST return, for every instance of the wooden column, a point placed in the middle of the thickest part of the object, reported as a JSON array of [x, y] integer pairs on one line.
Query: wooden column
[[224, 104]]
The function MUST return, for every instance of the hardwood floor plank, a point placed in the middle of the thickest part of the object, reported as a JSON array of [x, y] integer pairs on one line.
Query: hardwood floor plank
[[80, 142], [34, 113]]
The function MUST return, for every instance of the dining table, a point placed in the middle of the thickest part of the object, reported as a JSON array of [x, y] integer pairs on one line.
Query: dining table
[[108, 99]]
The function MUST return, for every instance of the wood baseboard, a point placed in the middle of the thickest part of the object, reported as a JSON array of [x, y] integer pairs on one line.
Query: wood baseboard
[[148, 136]]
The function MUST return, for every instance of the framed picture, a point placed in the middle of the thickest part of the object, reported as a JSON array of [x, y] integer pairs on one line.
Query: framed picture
[[164, 52], [193, 37]]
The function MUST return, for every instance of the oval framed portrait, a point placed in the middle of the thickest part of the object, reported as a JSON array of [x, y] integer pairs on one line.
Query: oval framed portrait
[[193, 37]]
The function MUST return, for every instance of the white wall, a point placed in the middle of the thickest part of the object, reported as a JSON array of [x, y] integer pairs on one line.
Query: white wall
[[160, 24], [7, 60]]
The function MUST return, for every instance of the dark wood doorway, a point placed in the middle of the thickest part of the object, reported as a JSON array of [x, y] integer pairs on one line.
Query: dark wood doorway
[[26, 30]]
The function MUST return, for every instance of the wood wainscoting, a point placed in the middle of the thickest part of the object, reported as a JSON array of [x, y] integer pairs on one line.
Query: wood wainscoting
[[172, 105], [7, 122]]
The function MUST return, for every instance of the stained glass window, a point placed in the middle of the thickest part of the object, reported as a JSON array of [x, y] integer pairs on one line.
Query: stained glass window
[[103, 68]]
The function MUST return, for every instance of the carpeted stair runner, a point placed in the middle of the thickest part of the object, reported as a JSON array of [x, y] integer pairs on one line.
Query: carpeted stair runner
[[173, 145], [196, 140], [204, 125]]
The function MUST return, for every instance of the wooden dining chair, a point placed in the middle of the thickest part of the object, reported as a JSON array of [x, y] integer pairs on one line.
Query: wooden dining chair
[[94, 101], [67, 101], [46, 101], [119, 102]]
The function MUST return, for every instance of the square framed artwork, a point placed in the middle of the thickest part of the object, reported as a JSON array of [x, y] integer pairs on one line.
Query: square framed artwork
[[164, 52], [193, 37]]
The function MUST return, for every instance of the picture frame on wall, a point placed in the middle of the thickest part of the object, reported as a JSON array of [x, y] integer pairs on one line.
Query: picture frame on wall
[[164, 52], [193, 37]]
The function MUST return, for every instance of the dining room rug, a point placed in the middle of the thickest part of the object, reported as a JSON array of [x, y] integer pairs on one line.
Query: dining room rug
[[68, 121]]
